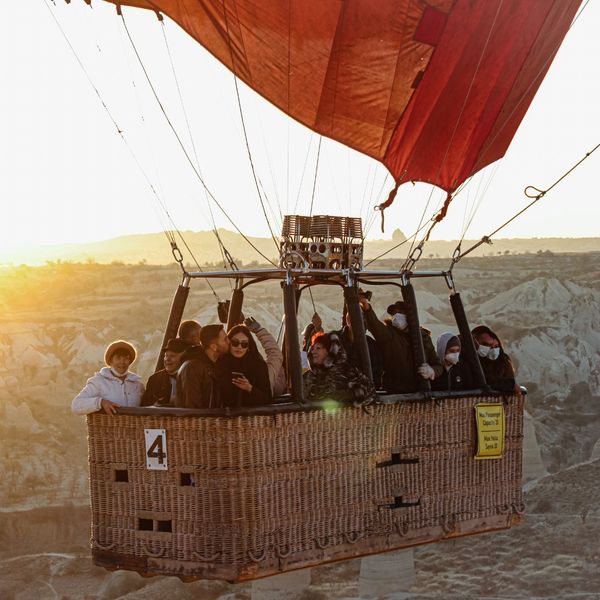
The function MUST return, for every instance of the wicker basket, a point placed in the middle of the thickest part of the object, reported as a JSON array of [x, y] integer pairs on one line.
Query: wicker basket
[[250, 496]]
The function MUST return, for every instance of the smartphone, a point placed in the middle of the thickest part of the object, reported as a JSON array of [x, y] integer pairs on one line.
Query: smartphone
[[236, 375]]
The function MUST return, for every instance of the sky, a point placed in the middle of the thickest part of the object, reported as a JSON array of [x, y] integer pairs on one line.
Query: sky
[[68, 176]]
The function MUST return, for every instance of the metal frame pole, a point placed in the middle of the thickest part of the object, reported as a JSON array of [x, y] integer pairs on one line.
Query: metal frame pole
[[174, 320], [414, 327], [467, 345], [358, 330], [291, 340], [234, 316]]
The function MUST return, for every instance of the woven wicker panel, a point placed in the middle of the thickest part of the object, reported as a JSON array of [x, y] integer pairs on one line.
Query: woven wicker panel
[[272, 493]]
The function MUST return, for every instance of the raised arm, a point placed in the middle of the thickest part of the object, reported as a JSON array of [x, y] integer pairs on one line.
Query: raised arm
[[380, 331], [274, 358]]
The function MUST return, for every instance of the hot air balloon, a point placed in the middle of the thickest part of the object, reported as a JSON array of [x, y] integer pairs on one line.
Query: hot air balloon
[[435, 91]]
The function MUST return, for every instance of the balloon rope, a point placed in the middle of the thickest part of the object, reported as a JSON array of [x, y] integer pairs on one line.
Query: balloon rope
[[183, 148], [243, 121], [312, 137], [170, 235], [189, 129], [312, 198], [486, 239]]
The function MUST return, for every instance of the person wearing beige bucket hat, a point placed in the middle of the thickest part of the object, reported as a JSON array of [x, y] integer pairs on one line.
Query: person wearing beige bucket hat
[[114, 385], [119, 345]]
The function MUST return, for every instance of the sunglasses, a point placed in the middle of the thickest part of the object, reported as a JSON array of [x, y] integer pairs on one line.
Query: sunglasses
[[243, 343]]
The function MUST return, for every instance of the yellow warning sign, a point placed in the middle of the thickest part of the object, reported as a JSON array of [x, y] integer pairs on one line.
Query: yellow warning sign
[[490, 430]]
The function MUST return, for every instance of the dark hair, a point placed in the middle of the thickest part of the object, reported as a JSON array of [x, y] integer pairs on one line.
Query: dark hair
[[252, 347], [209, 333], [122, 352], [186, 328]]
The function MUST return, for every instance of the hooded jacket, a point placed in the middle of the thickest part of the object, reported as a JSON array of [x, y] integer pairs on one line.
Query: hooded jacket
[[336, 379], [104, 385], [499, 373], [196, 382], [453, 378], [399, 368]]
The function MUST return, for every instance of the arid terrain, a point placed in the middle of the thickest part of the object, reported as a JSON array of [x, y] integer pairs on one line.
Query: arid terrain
[[56, 320]]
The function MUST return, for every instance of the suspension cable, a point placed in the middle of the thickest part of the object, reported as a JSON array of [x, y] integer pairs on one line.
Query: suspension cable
[[312, 198], [312, 299], [397, 245], [373, 214], [531, 192], [183, 148], [194, 150], [243, 121], [312, 137], [169, 234]]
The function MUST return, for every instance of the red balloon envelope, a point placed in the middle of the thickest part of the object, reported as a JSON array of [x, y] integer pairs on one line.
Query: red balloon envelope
[[435, 90]]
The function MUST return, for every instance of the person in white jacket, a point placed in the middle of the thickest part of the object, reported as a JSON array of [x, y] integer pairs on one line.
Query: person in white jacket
[[274, 356], [114, 385]]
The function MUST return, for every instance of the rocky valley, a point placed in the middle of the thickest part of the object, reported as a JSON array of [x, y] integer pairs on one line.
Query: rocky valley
[[56, 320]]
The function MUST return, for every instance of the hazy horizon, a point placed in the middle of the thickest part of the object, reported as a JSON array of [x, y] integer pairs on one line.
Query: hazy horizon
[[150, 245]]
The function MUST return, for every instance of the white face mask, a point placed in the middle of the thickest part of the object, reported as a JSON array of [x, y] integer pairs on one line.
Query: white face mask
[[452, 357], [483, 350], [494, 353], [488, 352], [399, 321]]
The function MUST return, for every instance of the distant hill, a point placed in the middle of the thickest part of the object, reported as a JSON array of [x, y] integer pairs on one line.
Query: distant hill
[[153, 248]]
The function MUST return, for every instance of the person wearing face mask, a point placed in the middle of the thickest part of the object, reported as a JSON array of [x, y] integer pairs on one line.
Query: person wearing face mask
[[399, 370], [113, 386], [496, 364], [456, 375]]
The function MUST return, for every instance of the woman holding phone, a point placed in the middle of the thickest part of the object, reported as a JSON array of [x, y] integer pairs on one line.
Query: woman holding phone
[[242, 374]]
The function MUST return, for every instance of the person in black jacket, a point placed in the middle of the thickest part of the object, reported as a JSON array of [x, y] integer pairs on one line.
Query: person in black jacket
[[242, 373], [161, 388], [456, 374], [400, 373], [196, 380], [496, 364]]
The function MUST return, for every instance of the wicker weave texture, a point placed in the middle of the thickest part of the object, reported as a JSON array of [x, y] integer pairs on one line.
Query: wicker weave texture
[[249, 496]]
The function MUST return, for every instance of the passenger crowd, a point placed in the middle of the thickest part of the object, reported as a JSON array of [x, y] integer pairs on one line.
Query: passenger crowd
[[207, 367]]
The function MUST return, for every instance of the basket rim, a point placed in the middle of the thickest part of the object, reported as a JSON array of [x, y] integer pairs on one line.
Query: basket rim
[[286, 404]]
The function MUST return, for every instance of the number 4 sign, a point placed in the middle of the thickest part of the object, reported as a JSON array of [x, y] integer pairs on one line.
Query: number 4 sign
[[156, 449]]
